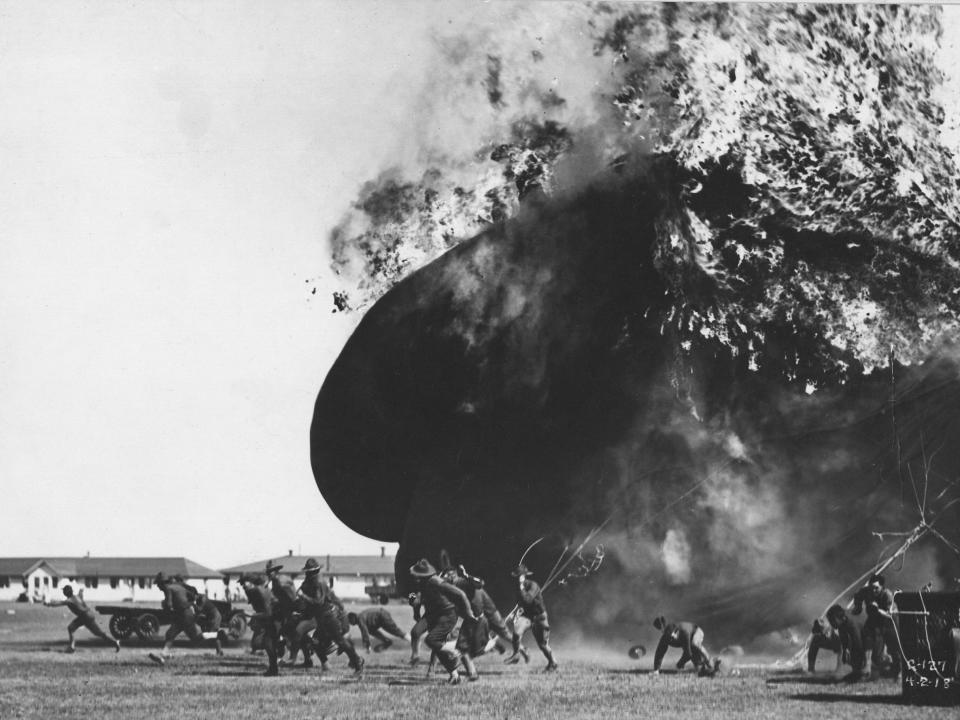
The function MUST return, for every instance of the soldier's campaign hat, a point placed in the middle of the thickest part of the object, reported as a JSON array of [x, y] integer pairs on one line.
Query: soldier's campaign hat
[[272, 568], [422, 569], [255, 578], [311, 566], [159, 579], [520, 569]]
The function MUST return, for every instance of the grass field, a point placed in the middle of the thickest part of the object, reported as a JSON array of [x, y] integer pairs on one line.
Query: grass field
[[39, 680]]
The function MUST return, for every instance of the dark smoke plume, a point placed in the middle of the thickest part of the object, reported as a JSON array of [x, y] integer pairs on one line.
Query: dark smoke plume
[[713, 315]]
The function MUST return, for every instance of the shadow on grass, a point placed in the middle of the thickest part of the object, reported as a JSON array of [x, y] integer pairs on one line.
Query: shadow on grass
[[825, 697], [804, 680]]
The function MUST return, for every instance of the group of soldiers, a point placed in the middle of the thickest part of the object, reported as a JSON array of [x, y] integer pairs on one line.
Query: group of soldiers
[[872, 650], [454, 616], [459, 621]]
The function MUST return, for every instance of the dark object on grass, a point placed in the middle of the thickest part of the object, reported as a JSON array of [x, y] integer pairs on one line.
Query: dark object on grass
[[637, 652]]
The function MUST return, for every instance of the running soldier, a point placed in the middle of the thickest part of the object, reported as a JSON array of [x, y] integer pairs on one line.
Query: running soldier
[[266, 634], [689, 638], [84, 618], [531, 606], [474, 635], [479, 597], [418, 630], [879, 634], [850, 641], [209, 620], [284, 607], [375, 622], [322, 604], [179, 599], [442, 602]]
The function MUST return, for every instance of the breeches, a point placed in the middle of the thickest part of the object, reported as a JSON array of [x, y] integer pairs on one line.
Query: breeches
[[185, 622]]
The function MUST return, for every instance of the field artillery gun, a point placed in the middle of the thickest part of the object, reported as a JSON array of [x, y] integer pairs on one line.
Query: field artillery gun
[[145, 621]]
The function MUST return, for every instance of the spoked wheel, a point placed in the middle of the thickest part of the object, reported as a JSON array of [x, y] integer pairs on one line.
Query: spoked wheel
[[121, 626], [147, 627]]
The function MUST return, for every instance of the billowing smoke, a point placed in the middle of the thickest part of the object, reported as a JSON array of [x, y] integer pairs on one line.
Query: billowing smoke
[[705, 313]]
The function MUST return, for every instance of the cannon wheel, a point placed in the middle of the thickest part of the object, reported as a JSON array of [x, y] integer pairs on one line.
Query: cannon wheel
[[121, 626], [147, 626], [237, 625]]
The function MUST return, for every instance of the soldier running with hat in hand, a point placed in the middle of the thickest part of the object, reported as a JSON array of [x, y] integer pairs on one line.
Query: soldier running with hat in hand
[[530, 604], [442, 603], [84, 618], [321, 603]]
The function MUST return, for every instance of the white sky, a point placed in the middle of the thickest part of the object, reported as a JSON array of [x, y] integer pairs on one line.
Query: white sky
[[168, 174]]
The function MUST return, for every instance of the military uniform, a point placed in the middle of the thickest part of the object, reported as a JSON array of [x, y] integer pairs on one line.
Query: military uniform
[[530, 603], [441, 604], [84, 617], [823, 638], [179, 601], [850, 641], [322, 604], [878, 633], [689, 638], [266, 632], [375, 622]]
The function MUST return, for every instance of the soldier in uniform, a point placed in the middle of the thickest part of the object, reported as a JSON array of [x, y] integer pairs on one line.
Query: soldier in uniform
[[266, 632], [850, 641], [879, 635], [823, 637], [689, 638], [209, 620], [322, 604], [284, 607], [530, 604], [179, 600], [474, 635], [375, 622], [442, 603], [479, 597], [84, 618]]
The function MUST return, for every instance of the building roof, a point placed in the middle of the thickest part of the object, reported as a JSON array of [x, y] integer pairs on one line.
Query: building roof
[[108, 566], [343, 565]]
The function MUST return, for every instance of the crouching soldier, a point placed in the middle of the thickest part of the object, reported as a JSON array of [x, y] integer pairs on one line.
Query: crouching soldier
[[325, 608], [375, 622], [84, 618], [442, 602], [850, 642], [689, 638], [823, 637], [530, 604]]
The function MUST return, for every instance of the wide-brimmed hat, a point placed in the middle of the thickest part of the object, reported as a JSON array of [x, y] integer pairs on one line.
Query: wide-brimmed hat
[[422, 569], [311, 566], [271, 567], [520, 569]]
